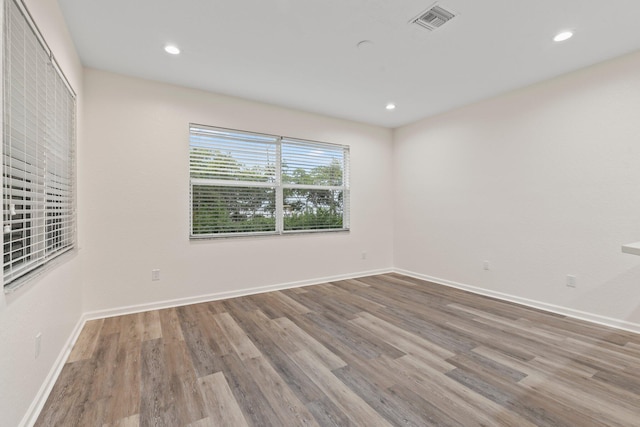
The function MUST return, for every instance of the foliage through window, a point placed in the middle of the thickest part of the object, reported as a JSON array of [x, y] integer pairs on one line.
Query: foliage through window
[[37, 150], [248, 183]]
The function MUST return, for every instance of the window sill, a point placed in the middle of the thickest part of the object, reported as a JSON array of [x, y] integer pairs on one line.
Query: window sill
[[631, 248], [36, 274], [267, 234]]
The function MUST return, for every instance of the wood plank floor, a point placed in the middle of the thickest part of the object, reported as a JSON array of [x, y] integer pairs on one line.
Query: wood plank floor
[[385, 350]]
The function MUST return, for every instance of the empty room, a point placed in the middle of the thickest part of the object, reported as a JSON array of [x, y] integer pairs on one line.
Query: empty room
[[324, 213]]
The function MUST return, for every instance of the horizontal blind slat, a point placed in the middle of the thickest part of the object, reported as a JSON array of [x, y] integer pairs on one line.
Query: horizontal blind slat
[[38, 182], [234, 181]]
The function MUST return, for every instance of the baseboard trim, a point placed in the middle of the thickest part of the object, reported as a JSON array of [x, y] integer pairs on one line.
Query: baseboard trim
[[565, 311], [101, 314], [36, 406]]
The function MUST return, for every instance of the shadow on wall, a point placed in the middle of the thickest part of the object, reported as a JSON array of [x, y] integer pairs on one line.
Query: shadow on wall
[[617, 290]]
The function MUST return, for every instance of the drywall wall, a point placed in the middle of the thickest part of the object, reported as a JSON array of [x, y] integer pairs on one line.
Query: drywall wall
[[542, 182], [135, 176], [50, 304]]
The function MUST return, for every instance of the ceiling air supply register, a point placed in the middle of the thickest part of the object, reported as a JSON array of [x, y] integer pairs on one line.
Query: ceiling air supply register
[[434, 17]]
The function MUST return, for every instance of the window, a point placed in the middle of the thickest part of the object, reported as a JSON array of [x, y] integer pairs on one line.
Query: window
[[248, 183], [37, 150]]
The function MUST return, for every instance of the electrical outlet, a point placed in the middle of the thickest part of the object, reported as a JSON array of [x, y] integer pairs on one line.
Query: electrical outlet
[[155, 275], [363, 255], [38, 343], [571, 281], [485, 265]]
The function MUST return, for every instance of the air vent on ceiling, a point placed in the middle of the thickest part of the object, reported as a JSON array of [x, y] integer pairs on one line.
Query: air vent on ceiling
[[434, 17]]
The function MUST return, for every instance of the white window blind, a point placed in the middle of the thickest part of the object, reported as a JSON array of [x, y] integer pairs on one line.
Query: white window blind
[[37, 150], [314, 190], [248, 183]]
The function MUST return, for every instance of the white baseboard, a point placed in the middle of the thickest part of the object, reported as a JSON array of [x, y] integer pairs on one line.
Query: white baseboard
[[38, 403], [565, 311], [100, 314]]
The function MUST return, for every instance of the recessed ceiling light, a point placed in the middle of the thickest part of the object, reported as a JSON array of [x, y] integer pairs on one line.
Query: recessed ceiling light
[[565, 35], [173, 50], [391, 106]]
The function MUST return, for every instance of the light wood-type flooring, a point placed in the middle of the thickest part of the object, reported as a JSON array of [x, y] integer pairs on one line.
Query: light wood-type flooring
[[385, 350]]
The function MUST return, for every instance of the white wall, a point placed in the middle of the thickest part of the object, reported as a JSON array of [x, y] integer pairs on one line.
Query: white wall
[[52, 303], [542, 182], [136, 194]]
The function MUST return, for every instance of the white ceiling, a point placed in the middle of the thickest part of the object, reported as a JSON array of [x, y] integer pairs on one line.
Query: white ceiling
[[303, 54]]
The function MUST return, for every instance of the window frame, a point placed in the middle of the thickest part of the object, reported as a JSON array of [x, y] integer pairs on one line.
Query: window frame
[[50, 111], [277, 184]]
